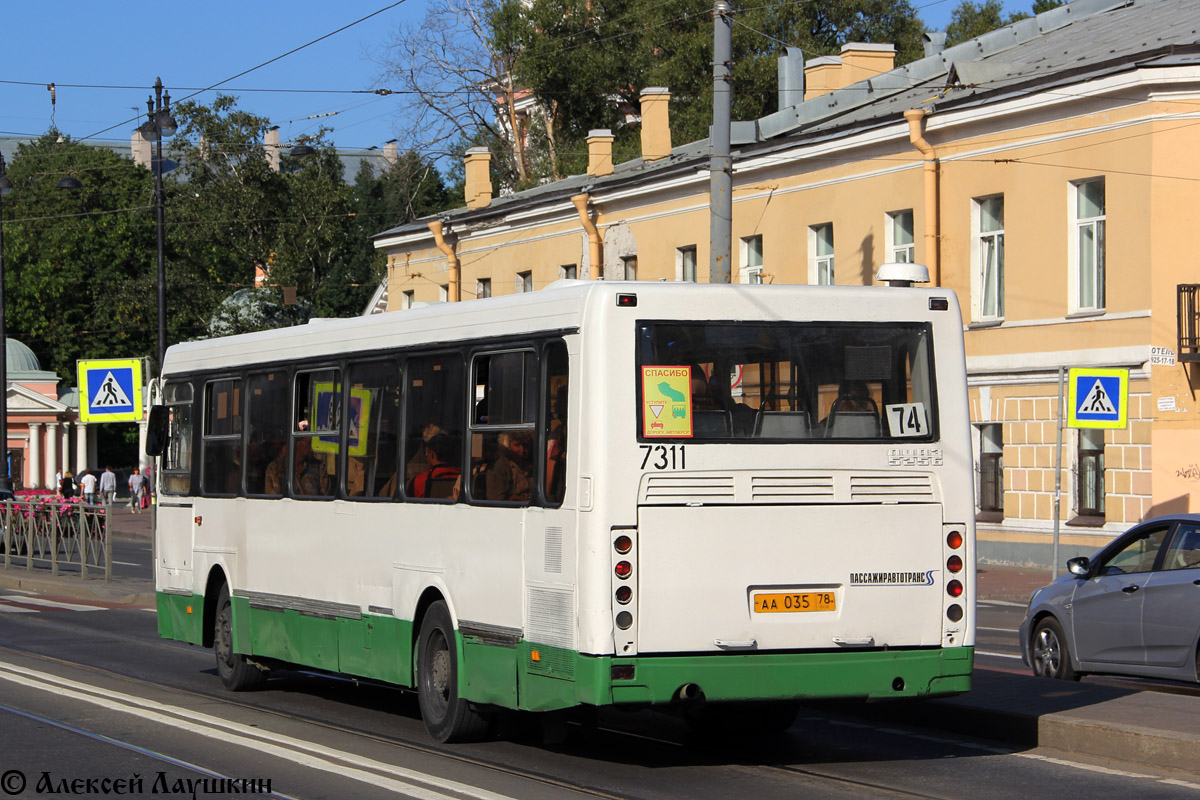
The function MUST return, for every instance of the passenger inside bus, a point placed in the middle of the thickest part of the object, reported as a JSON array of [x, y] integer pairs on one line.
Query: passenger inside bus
[[442, 478], [853, 414], [310, 478], [508, 477], [556, 448]]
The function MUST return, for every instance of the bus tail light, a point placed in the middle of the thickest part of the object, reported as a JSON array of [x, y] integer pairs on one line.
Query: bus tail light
[[954, 588], [954, 564], [623, 544], [624, 595], [954, 539], [624, 587], [623, 569]]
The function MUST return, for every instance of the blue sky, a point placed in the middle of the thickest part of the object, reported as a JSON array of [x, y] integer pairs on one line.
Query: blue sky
[[88, 48]]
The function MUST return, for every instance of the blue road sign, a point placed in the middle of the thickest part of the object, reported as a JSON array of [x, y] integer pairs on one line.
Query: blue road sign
[[1098, 398], [110, 390]]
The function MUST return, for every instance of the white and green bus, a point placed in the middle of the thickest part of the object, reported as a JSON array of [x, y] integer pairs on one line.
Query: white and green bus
[[595, 494]]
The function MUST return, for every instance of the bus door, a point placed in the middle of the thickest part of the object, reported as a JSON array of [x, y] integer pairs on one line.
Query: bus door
[[169, 437]]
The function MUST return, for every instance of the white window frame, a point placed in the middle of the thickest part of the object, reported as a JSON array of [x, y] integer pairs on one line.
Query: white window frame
[[407, 299], [681, 263], [483, 288], [568, 272], [1079, 226], [523, 282], [821, 270], [986, 245], [444, 293], [900, 252], [751, 259]]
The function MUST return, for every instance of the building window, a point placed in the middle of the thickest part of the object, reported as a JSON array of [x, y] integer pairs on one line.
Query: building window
[[752, 259], [444, 293], [685, 260], [1089, 218], [568, 272], [629, 268], [820, 254], [483, 288], [991, 468], [524, 282], [988, 276], [406, 299], [1091, 472], [900, 244]]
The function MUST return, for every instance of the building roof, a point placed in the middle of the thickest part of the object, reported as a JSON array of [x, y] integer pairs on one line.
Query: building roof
[[1080, 40]]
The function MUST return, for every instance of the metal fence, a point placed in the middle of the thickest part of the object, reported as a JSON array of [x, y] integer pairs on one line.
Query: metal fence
[[54, 533]]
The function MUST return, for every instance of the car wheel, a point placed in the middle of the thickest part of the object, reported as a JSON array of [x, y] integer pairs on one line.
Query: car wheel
[[448, 717], [1051, 655], [236, 673]]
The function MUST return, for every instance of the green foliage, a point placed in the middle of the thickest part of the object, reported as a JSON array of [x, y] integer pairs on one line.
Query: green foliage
[[79, 264], [587, 61], [970, 19]]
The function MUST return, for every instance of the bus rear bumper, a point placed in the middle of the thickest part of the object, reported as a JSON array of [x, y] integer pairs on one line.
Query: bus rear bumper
[[875, 675]]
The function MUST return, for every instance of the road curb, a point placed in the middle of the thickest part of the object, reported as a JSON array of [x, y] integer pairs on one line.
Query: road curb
[[120, 592]]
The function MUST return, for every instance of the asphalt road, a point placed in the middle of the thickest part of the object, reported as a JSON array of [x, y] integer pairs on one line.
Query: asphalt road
[[95, 694]]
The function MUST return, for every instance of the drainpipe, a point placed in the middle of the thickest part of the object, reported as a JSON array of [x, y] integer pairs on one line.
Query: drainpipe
[[916, 136], [435, 228], [593, 233]]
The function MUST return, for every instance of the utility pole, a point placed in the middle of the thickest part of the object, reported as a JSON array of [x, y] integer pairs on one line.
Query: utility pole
[[720, 167]]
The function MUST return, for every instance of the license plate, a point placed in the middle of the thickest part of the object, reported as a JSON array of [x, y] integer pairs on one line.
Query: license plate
[[793, 602]]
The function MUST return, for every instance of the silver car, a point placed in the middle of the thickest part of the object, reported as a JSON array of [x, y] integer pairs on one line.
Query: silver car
[[1133, 609]]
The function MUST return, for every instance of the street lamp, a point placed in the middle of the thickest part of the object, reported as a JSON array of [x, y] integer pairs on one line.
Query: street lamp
[[159, 123], [5, 479]]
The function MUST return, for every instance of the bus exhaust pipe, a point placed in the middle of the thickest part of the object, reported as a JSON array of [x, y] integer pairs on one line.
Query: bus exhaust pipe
[[689, 693]]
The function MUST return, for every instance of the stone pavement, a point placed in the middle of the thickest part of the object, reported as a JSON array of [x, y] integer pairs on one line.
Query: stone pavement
[[1157, 730]]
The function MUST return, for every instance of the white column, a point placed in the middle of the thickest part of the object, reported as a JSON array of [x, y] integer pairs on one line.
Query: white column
[[143, 459], [51, 451], [36, 478], [81, 446], [66, 445]]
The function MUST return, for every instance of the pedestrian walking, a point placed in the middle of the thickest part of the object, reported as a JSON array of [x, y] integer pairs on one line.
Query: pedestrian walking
[[135, 491], [87, 482], [147, 487], [108, 486]]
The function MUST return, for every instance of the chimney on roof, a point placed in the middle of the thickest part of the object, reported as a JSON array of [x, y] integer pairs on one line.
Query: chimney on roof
[[600, 160], [271, 148], [139, 147], [391, 153], [656, 123], [934, 42], [791, 77], [858, 62], [478, 188]]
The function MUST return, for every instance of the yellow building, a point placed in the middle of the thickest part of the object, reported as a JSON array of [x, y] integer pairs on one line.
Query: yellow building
[[996, 163]]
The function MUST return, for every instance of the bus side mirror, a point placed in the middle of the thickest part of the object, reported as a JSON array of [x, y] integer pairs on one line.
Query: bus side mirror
[[156, 430]]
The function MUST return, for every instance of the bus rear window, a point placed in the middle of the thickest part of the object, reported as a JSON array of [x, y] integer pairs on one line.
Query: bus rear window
[[787, 382]]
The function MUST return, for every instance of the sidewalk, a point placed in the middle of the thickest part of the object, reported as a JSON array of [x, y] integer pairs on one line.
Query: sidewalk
[[1009, 584]]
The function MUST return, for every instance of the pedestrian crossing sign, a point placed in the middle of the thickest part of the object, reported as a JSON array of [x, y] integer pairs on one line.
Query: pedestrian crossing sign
[[110, 390], [1098, 398]]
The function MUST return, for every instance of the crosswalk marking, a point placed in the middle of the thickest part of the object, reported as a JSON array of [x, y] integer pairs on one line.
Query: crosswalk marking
[[16, 605]]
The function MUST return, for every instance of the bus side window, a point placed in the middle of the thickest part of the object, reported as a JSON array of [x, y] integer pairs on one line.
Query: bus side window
[[372, 420], [555, 391], [266, 451], [316, 428], [435, 412], [222, 453], [177, 457]]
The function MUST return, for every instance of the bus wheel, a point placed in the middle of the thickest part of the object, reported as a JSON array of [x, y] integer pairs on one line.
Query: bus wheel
[[448, 717], [1051, 656], [237, 674]]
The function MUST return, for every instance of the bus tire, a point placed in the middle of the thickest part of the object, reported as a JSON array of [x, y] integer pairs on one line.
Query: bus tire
[[1050, 653], [448, 717], [236, 672]]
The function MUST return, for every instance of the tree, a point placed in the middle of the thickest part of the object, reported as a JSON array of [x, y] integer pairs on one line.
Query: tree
[[80, 268], [970, 19], [455, 71]]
